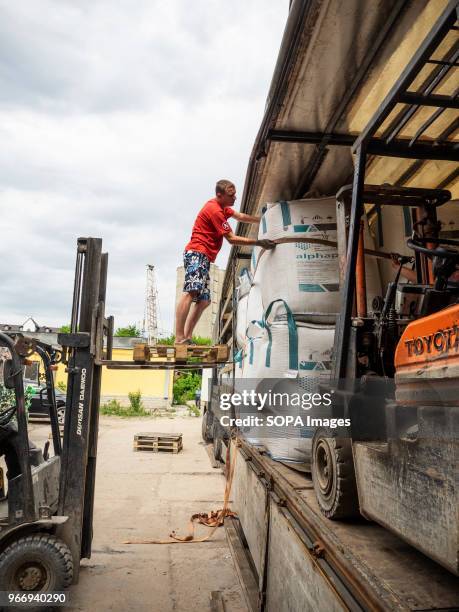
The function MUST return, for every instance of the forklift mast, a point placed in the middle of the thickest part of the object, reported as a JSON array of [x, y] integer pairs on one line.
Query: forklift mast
[[84, 347]]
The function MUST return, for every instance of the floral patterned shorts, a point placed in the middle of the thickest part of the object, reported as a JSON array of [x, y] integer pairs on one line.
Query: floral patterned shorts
[[197, 266]]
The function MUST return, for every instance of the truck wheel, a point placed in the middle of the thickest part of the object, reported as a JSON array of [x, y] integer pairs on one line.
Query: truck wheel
[[206, 426], [38, 562], [333, 476], [218, 443]]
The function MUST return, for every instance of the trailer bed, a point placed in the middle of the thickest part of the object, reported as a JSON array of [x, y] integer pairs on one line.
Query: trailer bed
[[303, 561]]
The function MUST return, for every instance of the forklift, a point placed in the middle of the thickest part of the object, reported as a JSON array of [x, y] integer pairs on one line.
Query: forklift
[[395, 370], [46, 513]]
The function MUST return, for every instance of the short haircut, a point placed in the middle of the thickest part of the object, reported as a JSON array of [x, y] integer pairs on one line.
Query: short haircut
[[223, 185]]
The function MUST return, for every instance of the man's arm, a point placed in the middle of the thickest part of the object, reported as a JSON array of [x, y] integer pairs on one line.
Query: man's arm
[[242, 240], [243, 218]]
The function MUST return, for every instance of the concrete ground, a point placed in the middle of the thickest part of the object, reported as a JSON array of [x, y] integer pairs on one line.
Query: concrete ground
[[142, 495]]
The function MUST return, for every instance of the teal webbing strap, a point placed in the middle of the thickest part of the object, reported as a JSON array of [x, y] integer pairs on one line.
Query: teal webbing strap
[[250, 339], [292, 336]]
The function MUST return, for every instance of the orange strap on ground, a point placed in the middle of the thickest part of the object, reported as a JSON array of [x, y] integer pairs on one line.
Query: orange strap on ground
[[213, 519]]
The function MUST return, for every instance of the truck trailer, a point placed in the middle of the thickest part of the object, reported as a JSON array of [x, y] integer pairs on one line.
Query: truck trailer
[[363, 109]]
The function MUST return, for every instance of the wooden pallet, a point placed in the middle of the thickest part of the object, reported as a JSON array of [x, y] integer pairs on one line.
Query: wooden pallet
[[158, 442], [181, 353]]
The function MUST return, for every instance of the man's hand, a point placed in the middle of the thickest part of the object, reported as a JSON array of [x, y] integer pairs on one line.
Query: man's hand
[[264, 243]]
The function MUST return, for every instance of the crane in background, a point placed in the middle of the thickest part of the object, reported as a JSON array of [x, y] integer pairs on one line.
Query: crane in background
[[151, 312]]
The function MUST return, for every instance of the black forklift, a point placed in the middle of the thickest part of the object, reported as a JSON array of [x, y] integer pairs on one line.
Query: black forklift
[[46, 511]]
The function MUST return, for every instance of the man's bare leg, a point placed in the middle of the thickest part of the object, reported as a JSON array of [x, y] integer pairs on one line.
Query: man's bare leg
[[194, 316], [183, 308]]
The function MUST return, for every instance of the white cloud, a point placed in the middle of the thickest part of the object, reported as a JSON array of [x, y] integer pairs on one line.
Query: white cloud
[[116, 120]]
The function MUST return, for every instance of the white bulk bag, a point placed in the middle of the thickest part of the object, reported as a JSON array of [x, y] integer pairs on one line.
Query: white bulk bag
[[313, 345], [254, 303], [292, 445], [299, 218], [305, 275], [244, 282], [288, 349], [241, 320], [254, 259]]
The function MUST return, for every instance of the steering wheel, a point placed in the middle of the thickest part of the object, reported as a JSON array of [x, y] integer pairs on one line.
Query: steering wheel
[[417, 244]]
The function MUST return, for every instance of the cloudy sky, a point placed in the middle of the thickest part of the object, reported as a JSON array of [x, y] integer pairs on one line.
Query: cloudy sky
[[116, 118]]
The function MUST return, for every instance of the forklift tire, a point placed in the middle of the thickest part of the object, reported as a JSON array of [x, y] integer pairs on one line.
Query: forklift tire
[[333, 476], [61, 416], [217, 442], [206, 426], [39, 563]]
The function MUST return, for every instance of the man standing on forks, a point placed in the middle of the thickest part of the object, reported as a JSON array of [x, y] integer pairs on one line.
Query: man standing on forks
[[209, 229]]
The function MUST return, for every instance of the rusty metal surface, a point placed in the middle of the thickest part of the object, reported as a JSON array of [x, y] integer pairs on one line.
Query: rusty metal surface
[[375, 567]]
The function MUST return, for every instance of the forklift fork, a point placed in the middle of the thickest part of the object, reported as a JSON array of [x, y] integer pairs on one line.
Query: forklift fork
[[84, 346]]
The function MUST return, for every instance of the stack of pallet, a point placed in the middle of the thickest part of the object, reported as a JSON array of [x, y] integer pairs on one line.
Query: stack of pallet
[[158, 442]]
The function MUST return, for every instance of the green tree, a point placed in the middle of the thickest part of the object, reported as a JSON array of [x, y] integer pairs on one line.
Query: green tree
[[130, 331], [185, 386], [65, 329]]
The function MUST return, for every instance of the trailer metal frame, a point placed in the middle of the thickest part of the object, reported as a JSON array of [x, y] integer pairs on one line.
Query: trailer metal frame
[[363, 147]]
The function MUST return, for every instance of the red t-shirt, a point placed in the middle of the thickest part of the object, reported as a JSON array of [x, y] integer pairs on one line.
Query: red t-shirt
[[209, 228]]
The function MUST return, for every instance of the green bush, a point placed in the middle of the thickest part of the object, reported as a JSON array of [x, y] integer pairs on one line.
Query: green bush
[[135, 399], [113, 407], [136, 408], [185, 386]]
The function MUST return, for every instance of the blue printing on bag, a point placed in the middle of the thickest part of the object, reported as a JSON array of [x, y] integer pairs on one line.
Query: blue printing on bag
[[263, 224], [292, 336], [285, 211], [315, 365], [311, 288]]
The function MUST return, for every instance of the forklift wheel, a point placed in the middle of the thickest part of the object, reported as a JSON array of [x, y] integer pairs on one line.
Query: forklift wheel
[[206, 426], [39, 562], [333, 476], [61, 415], [217, 442]]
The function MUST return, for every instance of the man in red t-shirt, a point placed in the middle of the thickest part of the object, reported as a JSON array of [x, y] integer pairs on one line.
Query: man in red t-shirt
[[210, 227]]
